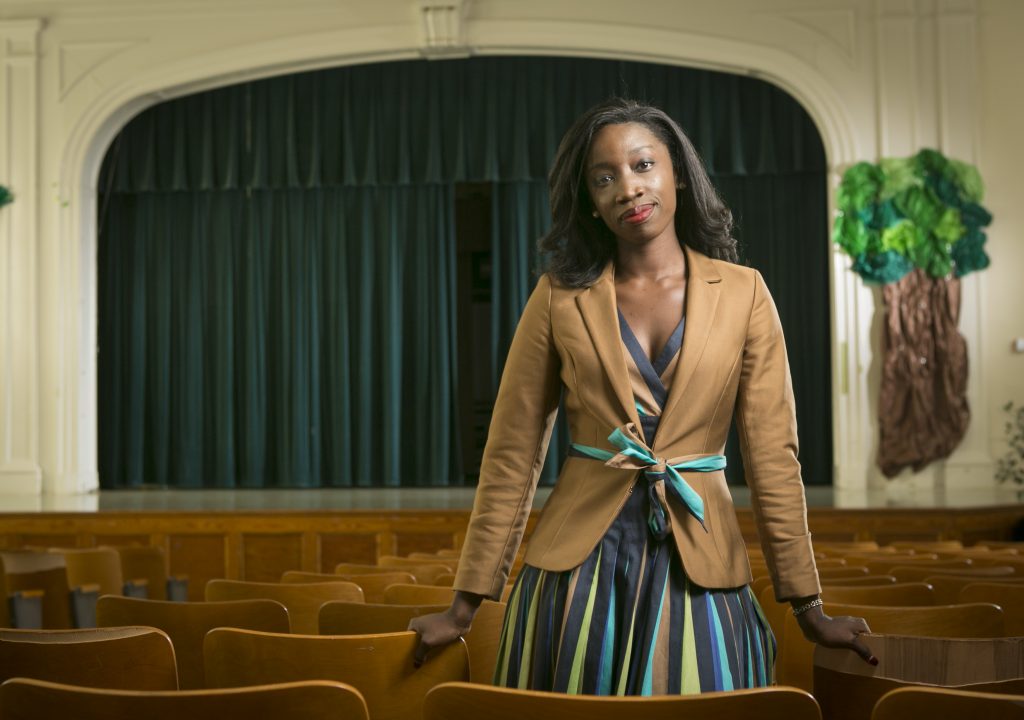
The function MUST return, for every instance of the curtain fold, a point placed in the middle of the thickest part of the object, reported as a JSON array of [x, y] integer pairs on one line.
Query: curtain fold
[[277, 259], [413, 122]]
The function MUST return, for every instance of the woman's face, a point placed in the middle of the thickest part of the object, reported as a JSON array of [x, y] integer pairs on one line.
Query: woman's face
[[631, 183]]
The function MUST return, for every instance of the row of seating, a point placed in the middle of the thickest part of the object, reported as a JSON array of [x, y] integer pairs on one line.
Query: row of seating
[[267, 650], [275, 675], [938, 590], [58, 587]]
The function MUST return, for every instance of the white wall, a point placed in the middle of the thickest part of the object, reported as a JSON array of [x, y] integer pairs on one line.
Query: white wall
[[880, 77]]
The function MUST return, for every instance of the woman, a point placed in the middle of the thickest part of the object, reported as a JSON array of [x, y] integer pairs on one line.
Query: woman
[[635, 579]]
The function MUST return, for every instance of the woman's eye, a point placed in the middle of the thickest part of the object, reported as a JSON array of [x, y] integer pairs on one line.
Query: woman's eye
[[602, 179], [645, 164]]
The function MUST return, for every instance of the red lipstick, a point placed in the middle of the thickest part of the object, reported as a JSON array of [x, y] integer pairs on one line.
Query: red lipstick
[[638, 214]]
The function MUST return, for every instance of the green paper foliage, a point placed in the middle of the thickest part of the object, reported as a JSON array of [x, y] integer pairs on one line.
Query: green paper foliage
[[5, 196], [923, 211]]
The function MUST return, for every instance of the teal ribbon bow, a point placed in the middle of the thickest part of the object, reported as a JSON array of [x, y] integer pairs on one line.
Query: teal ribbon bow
[[634, 454]]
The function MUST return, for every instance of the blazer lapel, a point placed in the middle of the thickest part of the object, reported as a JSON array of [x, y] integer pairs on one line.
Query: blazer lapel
[[702, 291], [600, 313]]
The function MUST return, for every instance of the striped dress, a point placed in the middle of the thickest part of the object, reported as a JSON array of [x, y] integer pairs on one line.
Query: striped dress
[[628, 621]]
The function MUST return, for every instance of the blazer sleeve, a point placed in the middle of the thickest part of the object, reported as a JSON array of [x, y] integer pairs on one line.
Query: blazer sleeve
[[517, 442], [766, 422]]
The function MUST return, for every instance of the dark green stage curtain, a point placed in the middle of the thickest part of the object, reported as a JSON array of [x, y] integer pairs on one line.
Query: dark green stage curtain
[[277, 259]]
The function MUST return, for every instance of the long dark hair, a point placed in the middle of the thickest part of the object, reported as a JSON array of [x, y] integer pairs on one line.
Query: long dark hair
[[579, 245]]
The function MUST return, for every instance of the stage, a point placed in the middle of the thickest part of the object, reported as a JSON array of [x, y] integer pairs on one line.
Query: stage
[[258, 534], [896, 495]]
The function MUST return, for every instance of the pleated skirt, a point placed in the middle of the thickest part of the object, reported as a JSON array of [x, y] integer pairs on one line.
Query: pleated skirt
[[629, 622]]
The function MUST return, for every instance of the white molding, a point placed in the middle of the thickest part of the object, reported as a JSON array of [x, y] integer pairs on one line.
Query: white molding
[[21, 479], [19, 336]]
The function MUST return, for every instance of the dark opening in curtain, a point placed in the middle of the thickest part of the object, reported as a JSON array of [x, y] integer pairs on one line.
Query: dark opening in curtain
[[278, 260]]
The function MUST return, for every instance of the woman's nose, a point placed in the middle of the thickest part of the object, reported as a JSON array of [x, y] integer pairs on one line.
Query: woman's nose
[[631, 188]]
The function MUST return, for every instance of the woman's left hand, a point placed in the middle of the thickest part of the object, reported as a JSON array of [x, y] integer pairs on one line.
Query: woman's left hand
[[836, 632]]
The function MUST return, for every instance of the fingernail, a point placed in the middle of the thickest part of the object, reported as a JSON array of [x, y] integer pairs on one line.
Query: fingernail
[[873, 660]]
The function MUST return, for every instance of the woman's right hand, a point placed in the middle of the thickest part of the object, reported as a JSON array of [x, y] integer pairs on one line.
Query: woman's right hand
[[440, 629]]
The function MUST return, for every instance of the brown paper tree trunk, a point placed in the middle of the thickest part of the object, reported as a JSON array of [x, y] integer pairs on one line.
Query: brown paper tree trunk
[[922, 409]]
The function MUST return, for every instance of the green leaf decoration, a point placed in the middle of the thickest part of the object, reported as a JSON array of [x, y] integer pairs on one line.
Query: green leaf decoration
[[968, 254], [5, 196], [886, 267], [918, 212], [897, 175], [861, 184]]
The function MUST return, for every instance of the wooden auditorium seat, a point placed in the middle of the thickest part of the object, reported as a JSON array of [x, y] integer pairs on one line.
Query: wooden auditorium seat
[[20, 609], [372, 584], [359, 619], [849, 689], [149, 562], [859, 580], [978, 620], [885, 567], [41, 572], [916, 573], [405, 594], [424, 574], [100, 566], [379, 666], [899, 594], [23, 699], [303, 601], [925, 703], [465, 701], [1008, 596], [187, 623], [129, 658], [927, 546], [343, 618], [446, 579], [948, 587], [846, 571]]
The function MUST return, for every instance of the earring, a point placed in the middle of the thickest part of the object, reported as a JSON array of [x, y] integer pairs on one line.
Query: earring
[[681, 185], [596, 214]]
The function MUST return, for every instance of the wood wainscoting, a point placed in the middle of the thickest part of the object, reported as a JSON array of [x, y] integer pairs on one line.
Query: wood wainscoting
[[259, 546]]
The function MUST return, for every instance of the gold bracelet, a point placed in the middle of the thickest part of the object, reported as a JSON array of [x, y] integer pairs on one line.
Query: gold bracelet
[[816, 602]]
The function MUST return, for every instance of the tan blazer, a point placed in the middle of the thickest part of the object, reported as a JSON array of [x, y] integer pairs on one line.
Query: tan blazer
[[733, 360]]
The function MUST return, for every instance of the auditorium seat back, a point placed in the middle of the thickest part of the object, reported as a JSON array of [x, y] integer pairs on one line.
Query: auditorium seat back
[[915, 573], [343, 618], [977, 620], [405, 594], [948, 587], [1010, 597], [302, 600], [424, 571], [93, 566], [23, 699], [372, 584], [149, 563], [129, 658], [849, 689], [921, 703], [466, 701], [859, 580], [899, 594], [42, 572], [187, 623], [379, 666]]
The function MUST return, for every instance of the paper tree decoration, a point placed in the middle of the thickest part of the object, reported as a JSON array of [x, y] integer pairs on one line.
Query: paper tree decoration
[[915, 226], [905, 213]]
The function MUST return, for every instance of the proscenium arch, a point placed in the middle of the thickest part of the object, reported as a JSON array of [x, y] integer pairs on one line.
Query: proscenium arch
[[96, 127]]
